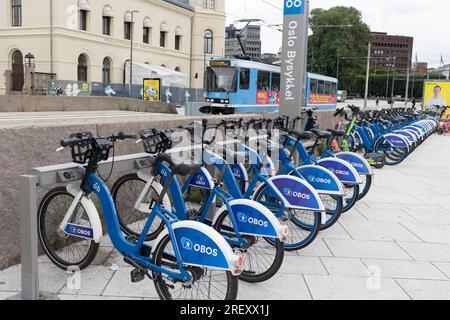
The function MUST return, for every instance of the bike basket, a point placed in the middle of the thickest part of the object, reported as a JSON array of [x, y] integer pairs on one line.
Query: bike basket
[[89, 148], [155, 142]]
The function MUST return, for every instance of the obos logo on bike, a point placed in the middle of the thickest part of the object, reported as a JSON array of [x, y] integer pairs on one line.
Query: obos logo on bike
[[296, 194], [200, 180], [242, 217], [339, 172], [188, 244], [314, 179]]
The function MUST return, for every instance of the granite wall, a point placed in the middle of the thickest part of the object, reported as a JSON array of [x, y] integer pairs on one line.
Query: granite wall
[[23, 103]]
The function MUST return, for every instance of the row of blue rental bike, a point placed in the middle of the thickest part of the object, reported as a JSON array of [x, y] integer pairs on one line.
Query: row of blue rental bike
[[214, 203]]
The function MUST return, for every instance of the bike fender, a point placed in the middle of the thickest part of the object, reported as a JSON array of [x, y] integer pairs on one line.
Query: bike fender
[[413, 133], [397, 140], [200, 245], [202, 180], [158, 188], [342, 169], [357, 161], [269, 166], [252, 218], [295, 193], [91, 210], [416, 130], [411, 137], [321, 179], [239, 172]]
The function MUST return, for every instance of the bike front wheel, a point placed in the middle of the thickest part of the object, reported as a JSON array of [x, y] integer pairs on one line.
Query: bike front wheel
[[63, 249], [207, 284]]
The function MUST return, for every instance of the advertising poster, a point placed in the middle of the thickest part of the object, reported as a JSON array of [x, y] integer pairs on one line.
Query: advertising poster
[[152, 89], [436, 93], [322, 99], [267, 97]]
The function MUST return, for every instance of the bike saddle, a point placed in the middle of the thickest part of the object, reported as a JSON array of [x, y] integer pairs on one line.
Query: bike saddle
[[179, 169], [337, 133], [321, 133], [306, 135]]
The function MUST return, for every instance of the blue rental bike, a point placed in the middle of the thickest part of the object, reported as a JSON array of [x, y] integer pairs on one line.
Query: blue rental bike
[[246, 225], [251, 176], [188, 260]]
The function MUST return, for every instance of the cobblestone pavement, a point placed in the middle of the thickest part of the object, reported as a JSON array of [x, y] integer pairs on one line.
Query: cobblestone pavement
[[395, 244]]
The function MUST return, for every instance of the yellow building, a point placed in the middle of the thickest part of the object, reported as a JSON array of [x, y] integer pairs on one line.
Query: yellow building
[[89, 40]]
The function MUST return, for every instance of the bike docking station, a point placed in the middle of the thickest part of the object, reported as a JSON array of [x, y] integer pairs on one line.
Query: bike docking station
[[53, 175]]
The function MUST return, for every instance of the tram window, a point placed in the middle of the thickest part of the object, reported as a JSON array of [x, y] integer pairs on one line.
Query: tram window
[[263, 83], [276, 82], [314, 85], [327, 88], [333, 88], [321, 87], [245, 79]]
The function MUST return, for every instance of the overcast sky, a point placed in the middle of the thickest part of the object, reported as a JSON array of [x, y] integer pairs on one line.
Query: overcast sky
[[427, 21]]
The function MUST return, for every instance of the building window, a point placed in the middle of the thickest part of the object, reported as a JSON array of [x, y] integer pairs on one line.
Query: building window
[[82, 19], [146, 35], [16, 13], [162, 39], [208, 40], [107, 26], [106, 70], [177, 42], [127, 30], [178, 69], [17, 71], [82, 68], [209, 4]]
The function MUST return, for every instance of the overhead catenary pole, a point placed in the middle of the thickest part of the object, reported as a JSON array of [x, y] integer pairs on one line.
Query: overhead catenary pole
[[294, 58], [366, 92], [407, 86]]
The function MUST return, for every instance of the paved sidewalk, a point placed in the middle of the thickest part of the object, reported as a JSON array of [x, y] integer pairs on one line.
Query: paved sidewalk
[[394, 245]]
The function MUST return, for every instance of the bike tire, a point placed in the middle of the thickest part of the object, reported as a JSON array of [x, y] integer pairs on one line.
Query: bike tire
[[44, 231], [350, 201], [367, 185]]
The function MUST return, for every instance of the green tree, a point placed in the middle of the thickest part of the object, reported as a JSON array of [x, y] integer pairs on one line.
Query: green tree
[[340, 38]]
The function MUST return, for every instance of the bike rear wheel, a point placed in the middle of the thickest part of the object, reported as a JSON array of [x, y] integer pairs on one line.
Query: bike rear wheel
[[208, 284], [261, 259], [303, 225], [62, 249]]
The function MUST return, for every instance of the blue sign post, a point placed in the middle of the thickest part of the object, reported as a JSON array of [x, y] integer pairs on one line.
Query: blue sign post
[[294, 55]]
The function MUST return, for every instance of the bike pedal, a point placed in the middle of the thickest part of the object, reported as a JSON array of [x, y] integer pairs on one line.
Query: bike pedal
[[137, 275]]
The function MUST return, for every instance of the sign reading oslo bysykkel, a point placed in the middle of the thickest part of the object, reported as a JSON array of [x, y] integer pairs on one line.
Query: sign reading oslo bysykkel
[[294, 54]]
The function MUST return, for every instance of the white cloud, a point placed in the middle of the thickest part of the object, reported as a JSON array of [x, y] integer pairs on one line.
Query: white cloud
[[426, 21]]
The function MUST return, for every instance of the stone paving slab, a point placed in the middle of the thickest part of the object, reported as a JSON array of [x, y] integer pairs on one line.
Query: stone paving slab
[[395, 244], [354, 288]]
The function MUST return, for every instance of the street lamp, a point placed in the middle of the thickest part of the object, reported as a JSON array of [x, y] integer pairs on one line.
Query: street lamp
[[131, 13], [29, 58]]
